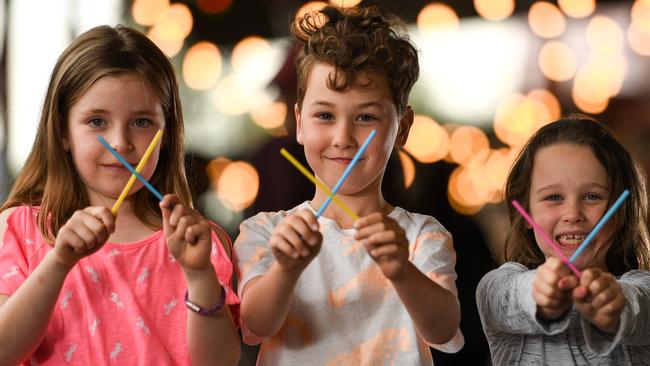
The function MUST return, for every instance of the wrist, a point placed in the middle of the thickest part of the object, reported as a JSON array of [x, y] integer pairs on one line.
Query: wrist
[[58, 265]]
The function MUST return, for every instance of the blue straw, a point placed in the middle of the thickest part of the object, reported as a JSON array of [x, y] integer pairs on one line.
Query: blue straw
[[347, 172], [600, 225], [130, 168]]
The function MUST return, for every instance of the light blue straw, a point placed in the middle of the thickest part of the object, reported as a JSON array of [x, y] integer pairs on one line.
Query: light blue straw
[[130, 168], [347, 172], [600, 225]]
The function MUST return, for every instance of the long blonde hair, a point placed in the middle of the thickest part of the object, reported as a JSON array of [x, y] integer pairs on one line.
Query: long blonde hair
[[49, 178]]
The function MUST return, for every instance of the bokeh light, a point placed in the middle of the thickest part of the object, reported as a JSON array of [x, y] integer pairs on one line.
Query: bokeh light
[[604, 34], [638, 40], [149, 12], [577, 8], [546, 20], [427, 141], [408, 168], [640, 14], [494, 9], [271, 115], [213, 6], [251, 54], [518, 117], [466, 142], [436, 17], [557, 61], [237, 185], [345, 3], [202, 66]]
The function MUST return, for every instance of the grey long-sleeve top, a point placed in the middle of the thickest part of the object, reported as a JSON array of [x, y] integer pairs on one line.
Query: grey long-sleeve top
[[516, 336]]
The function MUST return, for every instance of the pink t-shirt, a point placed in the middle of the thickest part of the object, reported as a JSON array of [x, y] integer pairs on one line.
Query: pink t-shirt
[[124, 304]]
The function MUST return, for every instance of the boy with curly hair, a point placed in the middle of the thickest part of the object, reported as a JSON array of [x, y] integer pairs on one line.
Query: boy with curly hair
[[333, 290]]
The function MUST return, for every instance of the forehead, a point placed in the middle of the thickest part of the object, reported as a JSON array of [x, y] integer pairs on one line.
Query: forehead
[[567, 164], [366, 84], [123, 91]]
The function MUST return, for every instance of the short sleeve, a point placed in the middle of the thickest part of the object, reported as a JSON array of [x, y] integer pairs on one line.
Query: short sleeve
[[224, 269], [432, 252], [252, 248], [14, 264]]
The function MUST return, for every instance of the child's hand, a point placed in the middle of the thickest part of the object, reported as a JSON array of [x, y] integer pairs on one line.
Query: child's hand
[[552, 288], [599, 299], [83, 234], [385, 241], [187, 233], [296, 241]]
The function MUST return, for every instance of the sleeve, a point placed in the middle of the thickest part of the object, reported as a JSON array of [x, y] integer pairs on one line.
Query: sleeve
[[14, 265], [224, 269], [254, 257], [505, 303], [432, 252], [635, 319]]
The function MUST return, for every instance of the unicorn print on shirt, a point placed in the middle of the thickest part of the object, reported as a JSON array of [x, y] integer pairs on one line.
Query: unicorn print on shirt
[[140, 324], [93, 275], [170, 306], [66, 297], [93, 327], [113, 253], [29, 241], [70, 352], [116, 351], [12, 272], [116, 300], [143, 276]]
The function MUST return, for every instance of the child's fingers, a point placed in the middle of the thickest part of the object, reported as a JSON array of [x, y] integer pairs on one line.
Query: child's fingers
[[197, 231], [291, 236], [548, 274], [548, 294], [280, 244], [309, 219], [381, 238], [604, 297], [105, 216], [368, 220], [384, 250], [567, 282], [588, 276], [558, 266], [305, 232], [370, 229], [615, 306]]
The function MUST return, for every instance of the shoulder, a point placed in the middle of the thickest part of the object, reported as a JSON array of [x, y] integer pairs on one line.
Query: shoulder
[[17, 216], [504, 271], [636, 276]]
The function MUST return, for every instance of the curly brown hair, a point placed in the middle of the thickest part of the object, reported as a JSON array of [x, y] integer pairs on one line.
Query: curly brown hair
[[631, 243], [356, 40]]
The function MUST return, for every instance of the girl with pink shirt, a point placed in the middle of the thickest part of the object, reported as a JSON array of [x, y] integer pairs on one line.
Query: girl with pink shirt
[[80, 285]]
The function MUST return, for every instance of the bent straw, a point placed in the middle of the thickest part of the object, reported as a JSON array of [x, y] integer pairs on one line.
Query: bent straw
[[318, 184], [138, 169], [346, 172], [538, 228], [600, 225], [130, 168]]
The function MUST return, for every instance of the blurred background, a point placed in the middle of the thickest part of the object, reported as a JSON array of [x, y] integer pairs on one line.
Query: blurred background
[[492, 73]]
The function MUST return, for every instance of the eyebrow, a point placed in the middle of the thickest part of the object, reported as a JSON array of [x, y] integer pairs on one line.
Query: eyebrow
[[359, 105], [104, 111], [590, 184]]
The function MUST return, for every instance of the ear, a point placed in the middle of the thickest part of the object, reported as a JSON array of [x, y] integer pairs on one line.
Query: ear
[[405, 124], [65, 142], [299, 137]]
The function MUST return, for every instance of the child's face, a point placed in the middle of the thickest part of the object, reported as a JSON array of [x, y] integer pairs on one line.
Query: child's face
[[125, 111], [332, 126], [569, 193]]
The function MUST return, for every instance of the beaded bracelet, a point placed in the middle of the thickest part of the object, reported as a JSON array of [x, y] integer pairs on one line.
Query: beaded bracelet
[[204, 311]]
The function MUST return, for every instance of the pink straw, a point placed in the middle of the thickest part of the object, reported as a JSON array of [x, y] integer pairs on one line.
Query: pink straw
[[546, 237]]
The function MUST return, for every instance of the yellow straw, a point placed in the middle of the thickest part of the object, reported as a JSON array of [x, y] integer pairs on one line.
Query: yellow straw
[[138, 169], [318, 184]]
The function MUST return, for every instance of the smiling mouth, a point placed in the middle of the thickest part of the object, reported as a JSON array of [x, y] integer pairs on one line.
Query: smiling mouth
[[570, 240]]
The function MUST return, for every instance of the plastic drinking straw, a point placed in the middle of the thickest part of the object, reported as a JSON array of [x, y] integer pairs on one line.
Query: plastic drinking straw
[[538, 228], [130, 168], [603, 220], [346, 172], [138, 169], [318, 184]]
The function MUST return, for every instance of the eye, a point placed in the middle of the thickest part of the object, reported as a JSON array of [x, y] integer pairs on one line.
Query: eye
[[366, 118], [96, 122], [325, 116], [593, 197], [553, 197], [142, 123]]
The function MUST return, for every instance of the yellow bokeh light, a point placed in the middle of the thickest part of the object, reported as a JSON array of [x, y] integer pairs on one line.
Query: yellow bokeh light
[[408, 168], [589, 107], [557, 61], [466, 142], [345, 3], [494, 9], [550, 101], [231, 96], [238, 185], [164, 35], [250, 50], [640, 15], [181, 15], [518, 117], [577, 8], [149, 12], [604, 34], [437, 16], [460, 193], [270, 116], [214, 169], [590, 85], [427, 141], [202, 66], [610, 69], [639, 41], [546, 20]]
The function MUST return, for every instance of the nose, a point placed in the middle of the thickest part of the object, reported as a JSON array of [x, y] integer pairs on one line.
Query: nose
[[344, 136], [119, 139], [573, 212]]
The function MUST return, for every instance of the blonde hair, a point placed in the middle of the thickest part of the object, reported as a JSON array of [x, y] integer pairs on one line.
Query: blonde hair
[[49, 178], [631, 242]]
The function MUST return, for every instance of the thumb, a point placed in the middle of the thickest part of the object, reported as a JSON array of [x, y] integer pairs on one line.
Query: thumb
[[166, 207]]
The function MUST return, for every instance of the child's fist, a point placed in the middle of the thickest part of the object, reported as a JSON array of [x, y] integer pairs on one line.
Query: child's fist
[[552, 288], [83, 234], [599, 299], [385, 241], [296, 241]]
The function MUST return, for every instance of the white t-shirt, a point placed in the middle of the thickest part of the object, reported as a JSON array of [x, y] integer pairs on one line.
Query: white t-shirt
[[344, 310]]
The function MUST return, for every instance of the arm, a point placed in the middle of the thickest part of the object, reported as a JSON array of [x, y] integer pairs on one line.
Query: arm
[[267, 299], [506, 304], [212, 340], [21, 331], [387, 244]]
